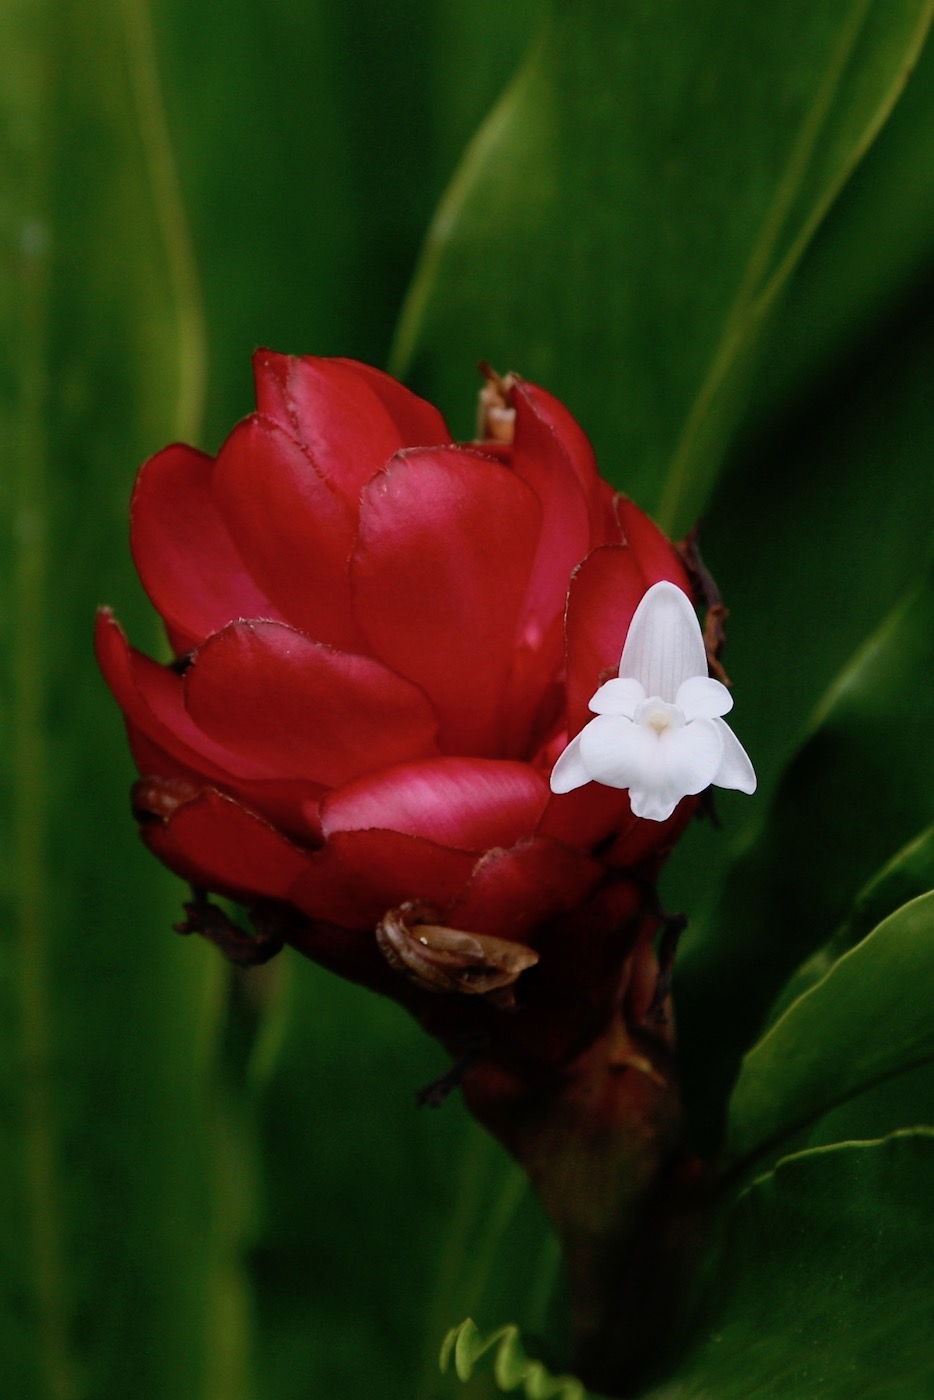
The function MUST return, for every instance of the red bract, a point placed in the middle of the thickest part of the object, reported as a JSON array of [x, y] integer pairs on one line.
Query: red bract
[[383, 641]]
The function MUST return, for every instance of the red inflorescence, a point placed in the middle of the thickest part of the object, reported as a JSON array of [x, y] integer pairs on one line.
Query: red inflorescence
[[383, 641]]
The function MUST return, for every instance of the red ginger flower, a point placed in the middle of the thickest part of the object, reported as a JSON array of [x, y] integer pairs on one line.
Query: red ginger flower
[[384, 640]]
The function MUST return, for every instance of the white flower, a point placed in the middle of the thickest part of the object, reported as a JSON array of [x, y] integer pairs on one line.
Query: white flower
[[658, 730]]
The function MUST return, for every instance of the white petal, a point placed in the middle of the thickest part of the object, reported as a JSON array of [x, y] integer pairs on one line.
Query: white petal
[[735, 771], [664, 646], [615, 751], [658, 768], [679, 763], [701, 697], [569, 772], [651, 806], [683, 762], [689, 756], [618, 697]]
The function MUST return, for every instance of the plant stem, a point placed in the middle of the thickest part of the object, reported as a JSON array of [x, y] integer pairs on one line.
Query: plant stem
[[602, 1140]]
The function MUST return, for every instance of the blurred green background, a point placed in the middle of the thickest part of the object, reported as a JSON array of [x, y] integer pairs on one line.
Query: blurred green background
[[711, 230]]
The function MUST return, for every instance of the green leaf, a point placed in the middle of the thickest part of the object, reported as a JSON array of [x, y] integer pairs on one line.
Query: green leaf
[[626, 217], [816, 531], [907, 875], [314, 141], [860, 784], [823, 1282], [868, 1019], [902, 1102], [118, 1229], [511, 1367], [863, 261]]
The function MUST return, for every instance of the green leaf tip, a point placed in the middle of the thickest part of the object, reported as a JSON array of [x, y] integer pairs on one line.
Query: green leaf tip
[[511, 1367]]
